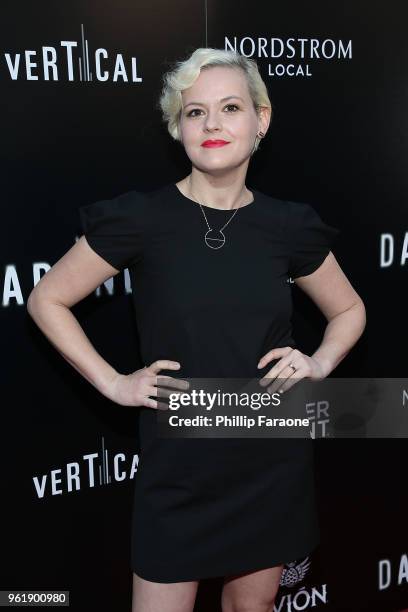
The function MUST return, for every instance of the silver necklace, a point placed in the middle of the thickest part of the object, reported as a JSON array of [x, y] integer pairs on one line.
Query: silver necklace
[[215, 239]]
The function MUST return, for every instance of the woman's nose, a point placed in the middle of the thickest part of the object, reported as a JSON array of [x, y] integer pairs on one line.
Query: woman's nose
[[212, 122]]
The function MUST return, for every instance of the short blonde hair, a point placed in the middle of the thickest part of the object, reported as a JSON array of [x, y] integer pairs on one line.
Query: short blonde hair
[[185, 72]]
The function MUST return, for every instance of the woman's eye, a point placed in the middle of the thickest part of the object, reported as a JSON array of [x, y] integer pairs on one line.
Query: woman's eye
[[190, 114], [231, 105]]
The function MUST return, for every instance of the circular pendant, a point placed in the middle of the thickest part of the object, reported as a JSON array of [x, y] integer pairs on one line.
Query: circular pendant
[[214, 239]]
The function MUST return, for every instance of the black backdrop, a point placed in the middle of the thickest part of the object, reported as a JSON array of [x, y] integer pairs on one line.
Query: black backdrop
[[338, 140]]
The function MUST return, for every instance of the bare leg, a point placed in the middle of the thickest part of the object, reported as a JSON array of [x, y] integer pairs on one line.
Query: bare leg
[[166, 597], [251, 591]]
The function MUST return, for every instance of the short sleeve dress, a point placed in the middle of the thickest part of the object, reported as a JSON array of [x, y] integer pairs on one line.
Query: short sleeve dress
[[209, 507]]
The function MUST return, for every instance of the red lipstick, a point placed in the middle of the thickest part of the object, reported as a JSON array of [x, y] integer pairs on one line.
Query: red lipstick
[[214, 143]]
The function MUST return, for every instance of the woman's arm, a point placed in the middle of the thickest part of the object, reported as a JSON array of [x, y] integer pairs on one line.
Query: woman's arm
[[79, 272], [343, 308], [341, 334]]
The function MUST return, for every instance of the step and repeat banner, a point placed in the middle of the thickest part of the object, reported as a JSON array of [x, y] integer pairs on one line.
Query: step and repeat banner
[[80, 122]]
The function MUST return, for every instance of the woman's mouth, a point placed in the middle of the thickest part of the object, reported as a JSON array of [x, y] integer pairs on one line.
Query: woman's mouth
[[214, 143]]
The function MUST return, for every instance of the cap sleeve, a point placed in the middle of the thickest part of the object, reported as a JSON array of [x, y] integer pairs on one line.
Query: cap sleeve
[[114, 228], [310, 239]]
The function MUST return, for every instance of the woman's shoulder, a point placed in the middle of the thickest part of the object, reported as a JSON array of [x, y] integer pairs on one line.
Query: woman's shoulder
[[126, 204], [271, 209], [280, 203], [294, 213]]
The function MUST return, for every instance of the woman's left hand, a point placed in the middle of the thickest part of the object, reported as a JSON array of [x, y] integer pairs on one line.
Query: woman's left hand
[[286, 377]]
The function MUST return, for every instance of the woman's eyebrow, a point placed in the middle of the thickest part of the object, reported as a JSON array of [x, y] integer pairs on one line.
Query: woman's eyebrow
[[222, 100]]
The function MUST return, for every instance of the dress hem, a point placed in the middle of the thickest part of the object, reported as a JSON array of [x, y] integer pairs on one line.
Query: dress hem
[[232, 571]]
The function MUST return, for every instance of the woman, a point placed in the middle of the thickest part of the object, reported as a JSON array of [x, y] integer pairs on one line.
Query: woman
[[209, 261]]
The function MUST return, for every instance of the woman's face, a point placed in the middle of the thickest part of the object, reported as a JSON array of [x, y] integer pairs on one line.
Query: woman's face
[[206, 115]]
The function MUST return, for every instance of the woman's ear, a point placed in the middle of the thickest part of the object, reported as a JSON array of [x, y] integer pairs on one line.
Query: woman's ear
[[264, 118]]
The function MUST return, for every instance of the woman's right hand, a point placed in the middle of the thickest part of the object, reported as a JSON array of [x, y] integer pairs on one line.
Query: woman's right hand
[[134, 389]]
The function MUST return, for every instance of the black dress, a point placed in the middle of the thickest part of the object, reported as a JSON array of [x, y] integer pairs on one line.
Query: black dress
[[208, 507]]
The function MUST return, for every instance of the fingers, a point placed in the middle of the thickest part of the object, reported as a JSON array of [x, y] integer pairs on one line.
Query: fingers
[[155, 385], [163, 364], [275, 353], [283, 382], [148, 389], [175, 383], [282, 372], [287, 384], [148, 402], [289, 356], [162, 392]]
